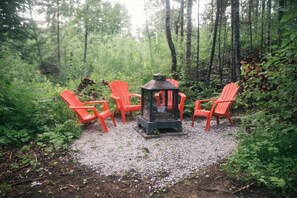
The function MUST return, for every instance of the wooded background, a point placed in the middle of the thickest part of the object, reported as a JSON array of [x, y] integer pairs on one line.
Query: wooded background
[[74, 39]]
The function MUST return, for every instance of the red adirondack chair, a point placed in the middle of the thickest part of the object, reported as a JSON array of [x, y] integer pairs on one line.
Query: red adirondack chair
[[81, 111], [220, 106], [161, 99], [120, 93]]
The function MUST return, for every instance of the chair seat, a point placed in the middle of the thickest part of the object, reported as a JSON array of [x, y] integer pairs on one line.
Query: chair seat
[[87, 118], [203, 113], [132, 108]]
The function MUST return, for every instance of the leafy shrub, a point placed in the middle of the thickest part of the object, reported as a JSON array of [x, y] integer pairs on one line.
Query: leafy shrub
[[29, 102], [59, 135], [268, 152]]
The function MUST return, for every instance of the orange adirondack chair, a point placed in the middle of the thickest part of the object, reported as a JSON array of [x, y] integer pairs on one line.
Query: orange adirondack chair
[[81, 111], [120, 93], [220, 107], [161, 99]]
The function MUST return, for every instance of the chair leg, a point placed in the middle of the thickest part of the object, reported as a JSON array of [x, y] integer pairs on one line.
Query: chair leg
[[181, 115], [193, 120], [123, 113], [207, 123], [217, 119], [230, 120], [113, 120], [102, 122]]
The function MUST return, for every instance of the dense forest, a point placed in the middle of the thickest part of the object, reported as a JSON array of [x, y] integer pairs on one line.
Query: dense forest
[[50, 45]]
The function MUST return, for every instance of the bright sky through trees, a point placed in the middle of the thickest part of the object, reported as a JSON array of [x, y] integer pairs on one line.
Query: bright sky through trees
[[136, 10]]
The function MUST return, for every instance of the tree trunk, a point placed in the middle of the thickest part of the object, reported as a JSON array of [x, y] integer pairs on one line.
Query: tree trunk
[[182, 7], [147, 30], [262, 30], [250, 27], [257, 17], [198, 42], [58, 33], [181, 40], [189, 36], [86, 44], [213, 41], [180, 20], [219, 42], [169, 40], [86, 33], [281, 4], [235, 41], [150, 45], [268, 40], [225, 40]]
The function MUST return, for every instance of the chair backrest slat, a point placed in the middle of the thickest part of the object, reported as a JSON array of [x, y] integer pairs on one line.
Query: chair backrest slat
[[120, 89], [72, 101], [229, 92]]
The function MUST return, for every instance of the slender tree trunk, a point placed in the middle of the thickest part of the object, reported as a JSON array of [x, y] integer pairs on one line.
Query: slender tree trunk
[[35, 36], [150, 44], [149, 39], [225, 41], [58, 33], [182, 8], [250, 27], [181, 40], [281, 4], [86, 33], [86, 43], [268, 40], [232, 72], [235, 41], [262, 29], [189, 36], [198, 41], [169, 40], [257, 17], [213, 42], [219, 42]]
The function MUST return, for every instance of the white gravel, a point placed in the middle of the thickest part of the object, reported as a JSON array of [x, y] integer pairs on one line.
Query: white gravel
[[164, 161]]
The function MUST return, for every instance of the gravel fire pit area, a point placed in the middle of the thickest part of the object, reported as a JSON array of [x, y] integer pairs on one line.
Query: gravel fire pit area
[[164, 160]]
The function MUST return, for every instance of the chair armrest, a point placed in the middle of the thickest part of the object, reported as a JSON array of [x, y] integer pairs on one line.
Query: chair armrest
[[135, 95], [198, 103], [183, 97], [82, 107], [221, 101], [95, 102], [207, 100], [115, 97], [118, 101], [103, 102]]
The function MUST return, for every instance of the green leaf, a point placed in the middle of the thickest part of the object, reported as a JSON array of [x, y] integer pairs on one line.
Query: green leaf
[[279, 182]]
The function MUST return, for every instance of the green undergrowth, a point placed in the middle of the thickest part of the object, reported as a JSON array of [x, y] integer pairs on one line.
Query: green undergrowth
[[267, 153]]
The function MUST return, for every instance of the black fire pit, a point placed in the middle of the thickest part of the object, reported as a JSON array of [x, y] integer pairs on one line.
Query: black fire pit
[[156, 117]]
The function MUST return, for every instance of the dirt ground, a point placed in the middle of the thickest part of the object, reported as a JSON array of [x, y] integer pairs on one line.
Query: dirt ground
[[57, 174]]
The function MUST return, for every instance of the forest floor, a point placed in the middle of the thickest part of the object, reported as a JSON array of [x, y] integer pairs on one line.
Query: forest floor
[[32, 171], [56, 174]]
